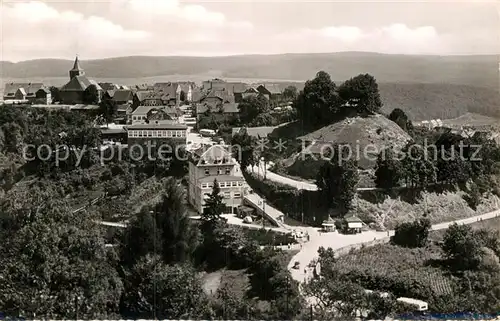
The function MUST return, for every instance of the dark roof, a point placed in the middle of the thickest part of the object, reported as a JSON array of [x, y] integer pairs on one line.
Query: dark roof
[[167, 125], [167, 89], [251, 90], [123, 95], [29, 88], [108, 86], [270, 88], [221, 178], [78, 83], [142, 110], [227, 108], [237, 87]]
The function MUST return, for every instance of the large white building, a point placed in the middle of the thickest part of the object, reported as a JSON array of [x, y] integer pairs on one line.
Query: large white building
[[215, 163]]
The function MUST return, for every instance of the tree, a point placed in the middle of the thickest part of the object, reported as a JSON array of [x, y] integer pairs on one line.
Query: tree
[[337, 181], [399, 117], [108, 109], [361, 92], [318, 103], [418, 165], [141, 237], [462, 247], [55, 94], [154, 289], [253, 106], [91, 95], [290, 93], [244, 143], [412, 234], [389, 171], [214, 206], [179, 237], [50, 262]]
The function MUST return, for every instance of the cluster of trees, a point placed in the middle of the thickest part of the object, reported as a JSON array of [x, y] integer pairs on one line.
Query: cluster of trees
[[322, 101], [337, 180], [445, 158], [412, 234], [55, 263]]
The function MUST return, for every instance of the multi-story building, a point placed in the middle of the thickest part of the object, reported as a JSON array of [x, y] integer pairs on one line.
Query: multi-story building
[[74, 91], [215, 163], [157, 133]]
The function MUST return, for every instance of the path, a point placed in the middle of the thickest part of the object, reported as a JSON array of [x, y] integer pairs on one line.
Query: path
[[259, 170], [336, 241], [261, 206]]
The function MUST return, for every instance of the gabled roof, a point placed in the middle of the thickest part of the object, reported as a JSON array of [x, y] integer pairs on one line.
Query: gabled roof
[[168, 89], [78, 83], [29, 88], [214, 154], [270, 88], [144, 110], [251, 90], [237, 87], [108, 86], [123, 95]]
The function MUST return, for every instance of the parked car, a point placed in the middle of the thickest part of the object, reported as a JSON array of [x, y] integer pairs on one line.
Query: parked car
[[296, 265]]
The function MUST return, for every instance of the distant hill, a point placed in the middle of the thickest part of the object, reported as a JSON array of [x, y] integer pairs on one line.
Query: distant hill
[[480, 71]]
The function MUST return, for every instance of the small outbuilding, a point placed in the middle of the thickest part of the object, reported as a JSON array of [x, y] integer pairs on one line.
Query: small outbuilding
[[352, 224], [328, 225]]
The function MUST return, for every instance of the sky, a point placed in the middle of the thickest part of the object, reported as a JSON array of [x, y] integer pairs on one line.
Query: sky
[[100, 29]]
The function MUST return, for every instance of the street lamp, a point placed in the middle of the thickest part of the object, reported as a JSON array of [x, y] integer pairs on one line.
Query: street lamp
[[77, 299]]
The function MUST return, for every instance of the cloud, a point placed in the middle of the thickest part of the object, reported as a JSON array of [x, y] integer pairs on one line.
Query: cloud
[[38, 29], [395, 38], [35, 29]]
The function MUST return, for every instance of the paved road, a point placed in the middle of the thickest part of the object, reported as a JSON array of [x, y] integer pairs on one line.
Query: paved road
[[336, 241], [259, 170], [258, 202]]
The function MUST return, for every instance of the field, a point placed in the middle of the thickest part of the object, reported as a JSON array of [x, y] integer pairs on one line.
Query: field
[[404, 272]]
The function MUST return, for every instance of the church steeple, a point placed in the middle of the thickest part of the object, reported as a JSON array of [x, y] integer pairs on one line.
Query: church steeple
[[77, 70]]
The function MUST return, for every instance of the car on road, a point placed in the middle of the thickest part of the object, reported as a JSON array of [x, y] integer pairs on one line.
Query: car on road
[[296, 265]]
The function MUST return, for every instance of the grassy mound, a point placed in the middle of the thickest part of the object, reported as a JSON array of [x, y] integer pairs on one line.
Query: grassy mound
[[367, 136]]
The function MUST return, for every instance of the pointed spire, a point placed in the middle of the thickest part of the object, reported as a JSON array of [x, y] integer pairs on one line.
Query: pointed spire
[[76, 65]]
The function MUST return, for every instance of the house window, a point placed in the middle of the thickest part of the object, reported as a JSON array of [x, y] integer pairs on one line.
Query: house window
[[240, 183], [219, 171], [139, 133], [234, 184], [228, 171], [207, 172], [150, 134], [237, 194], [204, 185], [227, 195], [222, 184]]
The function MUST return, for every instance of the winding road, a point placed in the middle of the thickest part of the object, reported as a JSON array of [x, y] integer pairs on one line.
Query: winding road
[[337, 242]]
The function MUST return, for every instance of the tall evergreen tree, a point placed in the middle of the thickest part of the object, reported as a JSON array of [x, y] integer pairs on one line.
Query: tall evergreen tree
[[214, 206]]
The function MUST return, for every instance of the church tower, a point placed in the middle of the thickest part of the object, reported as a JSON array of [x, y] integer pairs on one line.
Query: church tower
[[77, 70]]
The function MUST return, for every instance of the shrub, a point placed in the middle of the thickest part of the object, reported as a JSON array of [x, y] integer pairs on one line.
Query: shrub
[[412, 234]]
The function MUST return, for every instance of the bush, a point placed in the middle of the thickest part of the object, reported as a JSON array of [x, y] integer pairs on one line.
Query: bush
[[412, 234]]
